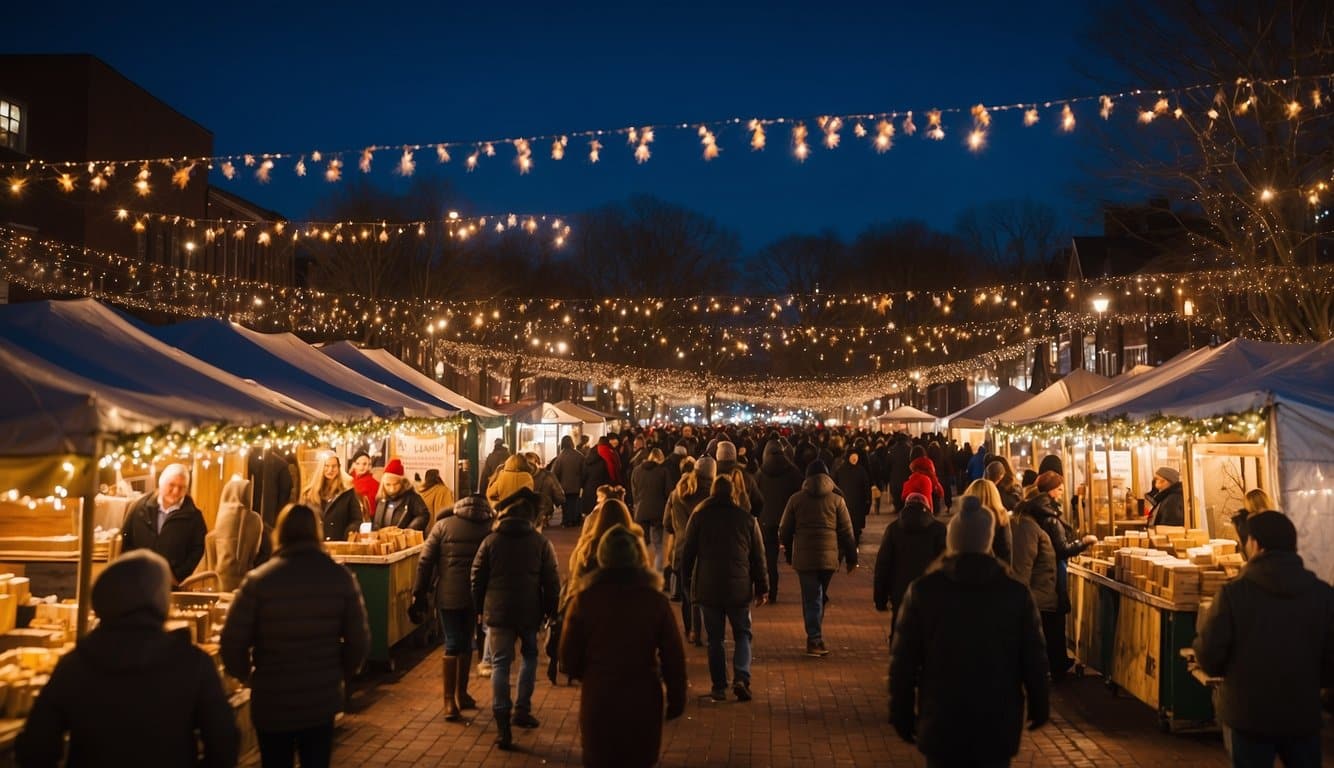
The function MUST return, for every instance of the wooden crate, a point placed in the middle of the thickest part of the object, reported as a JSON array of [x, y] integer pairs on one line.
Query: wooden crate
[[45, 520], [1138, 643]]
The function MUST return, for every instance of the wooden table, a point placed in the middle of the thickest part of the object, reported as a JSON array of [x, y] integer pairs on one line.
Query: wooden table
[[386, 585]]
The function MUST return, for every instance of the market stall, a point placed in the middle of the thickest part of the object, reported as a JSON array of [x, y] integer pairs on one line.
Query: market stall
[[906, 419], [1026, 454], [385, 564], [968, 425]]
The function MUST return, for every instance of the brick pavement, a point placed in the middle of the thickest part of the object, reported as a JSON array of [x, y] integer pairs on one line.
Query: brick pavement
[[806, 713]]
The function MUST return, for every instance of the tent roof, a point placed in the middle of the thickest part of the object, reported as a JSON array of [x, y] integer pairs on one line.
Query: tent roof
[[1302, 378], [584, 414], [397, 375], [108, 352], [1183, 377], [1075, 385], [906, 413], [975, 416], [287, 364]]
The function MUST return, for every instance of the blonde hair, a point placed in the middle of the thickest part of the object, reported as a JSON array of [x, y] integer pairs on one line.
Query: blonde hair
[[1257, 501], [607, 515], [688, 485], [320, 489], [740, 496], [986, 492]]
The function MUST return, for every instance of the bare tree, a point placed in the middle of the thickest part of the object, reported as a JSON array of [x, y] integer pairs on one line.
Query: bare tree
[[1018, 239]]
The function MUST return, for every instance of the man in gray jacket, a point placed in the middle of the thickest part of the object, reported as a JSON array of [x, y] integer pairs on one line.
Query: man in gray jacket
[[816, 532], [1270, 635]]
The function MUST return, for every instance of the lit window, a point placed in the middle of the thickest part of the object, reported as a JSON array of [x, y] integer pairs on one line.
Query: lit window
[[11, 125]]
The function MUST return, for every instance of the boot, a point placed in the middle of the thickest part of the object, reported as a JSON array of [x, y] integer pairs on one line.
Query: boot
[[451, 677], [505, 737], [461, 692]]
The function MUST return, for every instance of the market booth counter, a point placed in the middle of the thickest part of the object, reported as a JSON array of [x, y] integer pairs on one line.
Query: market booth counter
[[385, 564], [1134, 606]]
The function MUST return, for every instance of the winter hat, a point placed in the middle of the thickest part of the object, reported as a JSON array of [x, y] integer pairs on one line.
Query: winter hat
[[1030, 477], [817, 467], [1052, 462], [523, 503], [773, 448], [972, 529], [619, 548], [706, 467], [393, 469], [358, 455], [1271, 530], [1168, 474], [725, 451], [137, 582], [917, 498], [1049, 481]]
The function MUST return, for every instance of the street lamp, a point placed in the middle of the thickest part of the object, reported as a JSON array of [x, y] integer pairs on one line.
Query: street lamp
[[1100, 303], [1188, 310]]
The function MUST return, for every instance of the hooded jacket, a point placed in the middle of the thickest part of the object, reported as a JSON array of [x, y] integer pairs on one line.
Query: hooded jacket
[[233, 547], [513, 476], [514, 578], [1270, 634], [131, 694], [923, 480], [778, 480], [816, 529], [723, 555], [909, 546], [439, 500], [650, 492], [445, 566], [1169, 506], [968, 694], [181, 540]]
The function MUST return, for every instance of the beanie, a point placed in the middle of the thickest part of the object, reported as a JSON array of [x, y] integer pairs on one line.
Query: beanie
[[917, 498], [358, 455], [1168, 474], [619, 548], [725, 451], [1049, 481], [816, 467], [523, 503], [1271, 530], [972, 529], [706, 467], [1051, 462], [394, 469], [1030, 477], [138, 582]]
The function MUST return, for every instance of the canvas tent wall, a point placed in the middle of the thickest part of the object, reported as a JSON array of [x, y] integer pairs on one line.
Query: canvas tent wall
[[1075, 385], [908, 419]]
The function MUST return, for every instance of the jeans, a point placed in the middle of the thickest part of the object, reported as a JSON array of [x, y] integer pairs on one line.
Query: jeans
[[654, 533], [314, 745], [770, 534], [457, 626], [1249, 751], [502, 641], [813, 586], [739, 617]]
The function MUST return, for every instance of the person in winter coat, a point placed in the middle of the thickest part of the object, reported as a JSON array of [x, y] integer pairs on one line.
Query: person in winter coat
[[853, 478], [935, 451], [295, 632], [960, 699], [1256, 501], [816, 532], [168, 522], [675, 461], [445, 570], [778, 479], [1270, 635], [601, 467], [723, 560], [998, 472], [399, 505], [549, 492], [923, 480], [986, 492], [621, 641], [516, 584], [1169, 504], [909, 545], [332, 495], [509, 479], [436, 495], [237, 542], [494, 461], [363, 479], [978, 464], [747, 490], [567, 467], [1046, 510], [131, 693], [690, 492], [899, 472], [650, 491], [584, 554]]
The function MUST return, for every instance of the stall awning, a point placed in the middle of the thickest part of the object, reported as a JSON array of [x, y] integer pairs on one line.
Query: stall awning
[[285, 363], [906, 414], [975, 416], [584, 414], [379, 365], [1075, 385]]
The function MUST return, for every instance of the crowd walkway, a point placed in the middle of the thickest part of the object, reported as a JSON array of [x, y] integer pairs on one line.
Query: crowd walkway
[[807, 712]]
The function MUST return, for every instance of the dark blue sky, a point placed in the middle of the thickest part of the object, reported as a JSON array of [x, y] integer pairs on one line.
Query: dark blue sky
[[295, 77]]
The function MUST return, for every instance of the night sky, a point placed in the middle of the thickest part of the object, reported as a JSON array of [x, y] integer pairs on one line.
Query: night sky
[[293, 78]]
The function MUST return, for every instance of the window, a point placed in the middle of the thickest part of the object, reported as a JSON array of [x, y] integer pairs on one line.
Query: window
[[1137, 355], [11, 126]]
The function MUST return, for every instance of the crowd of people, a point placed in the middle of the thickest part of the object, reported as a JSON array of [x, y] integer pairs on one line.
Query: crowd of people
[[972, 566]]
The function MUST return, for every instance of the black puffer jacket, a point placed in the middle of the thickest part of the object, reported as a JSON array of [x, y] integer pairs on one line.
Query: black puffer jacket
[[296, 629], [409, 511], [967, 649], [723, 555], [568, 468], [1044, 509], [1169, 506], [131, 694], [514, 578], [778, 479], [910, 544], [342, 515], [855, 482], [593, 474], [816, 529], [181, 540], [446, 560], [650, 492], [1270, 635]]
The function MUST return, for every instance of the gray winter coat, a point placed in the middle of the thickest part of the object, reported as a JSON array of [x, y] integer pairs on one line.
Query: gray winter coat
[[567, 468], [1034, 561], [723, 556], [446, 560], [296, 629], [816, 528], [514, 578]]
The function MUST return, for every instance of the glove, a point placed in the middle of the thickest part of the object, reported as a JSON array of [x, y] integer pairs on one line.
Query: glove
[[675, 711], [905, 730], [417, 611]]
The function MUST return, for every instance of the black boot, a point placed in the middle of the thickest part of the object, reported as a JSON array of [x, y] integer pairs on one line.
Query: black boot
[[505, 735]]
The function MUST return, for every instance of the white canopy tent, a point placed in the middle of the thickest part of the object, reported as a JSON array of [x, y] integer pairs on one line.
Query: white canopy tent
[[379, 365], [1075, 385], [906, 417], [975, 416]]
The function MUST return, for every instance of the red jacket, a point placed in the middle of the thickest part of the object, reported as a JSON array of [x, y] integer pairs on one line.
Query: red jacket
[[923, 480]]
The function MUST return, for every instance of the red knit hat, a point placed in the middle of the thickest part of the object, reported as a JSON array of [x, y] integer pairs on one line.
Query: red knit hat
[[394, 468]]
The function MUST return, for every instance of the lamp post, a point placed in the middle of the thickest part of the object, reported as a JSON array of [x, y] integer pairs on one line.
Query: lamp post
[[1188, 310], [1100, 303]]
